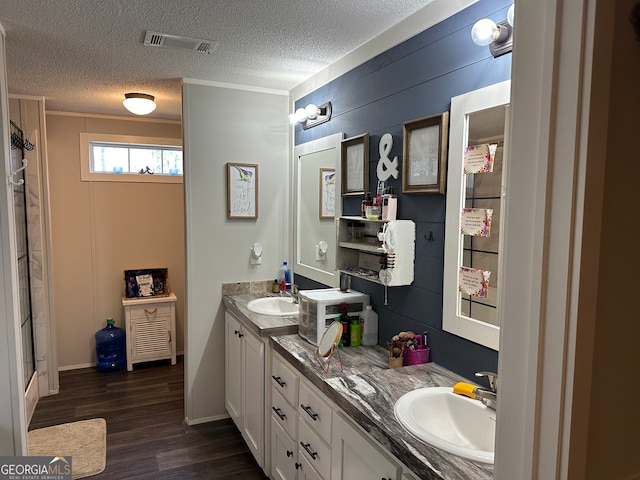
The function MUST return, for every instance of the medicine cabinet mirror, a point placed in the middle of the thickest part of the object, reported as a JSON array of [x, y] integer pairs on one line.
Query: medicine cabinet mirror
[[314, 234], [472, 263]]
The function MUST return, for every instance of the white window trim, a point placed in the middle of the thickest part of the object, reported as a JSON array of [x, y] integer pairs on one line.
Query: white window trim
[[86, 175]]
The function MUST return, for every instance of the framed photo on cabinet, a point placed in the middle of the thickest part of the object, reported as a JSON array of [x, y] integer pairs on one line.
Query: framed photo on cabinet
[[424, 166], [355, 165], [242, 190], [327, 207]]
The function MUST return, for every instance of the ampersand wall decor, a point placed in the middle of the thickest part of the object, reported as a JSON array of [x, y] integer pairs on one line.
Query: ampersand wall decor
[[386, 167]]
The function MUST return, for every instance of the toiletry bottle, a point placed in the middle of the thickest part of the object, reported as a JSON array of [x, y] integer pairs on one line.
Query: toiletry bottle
[[276, 286], [346, 324], [369, 326], [389, 204], [284, 277], [366, 203], [354, 332], [379, 193]]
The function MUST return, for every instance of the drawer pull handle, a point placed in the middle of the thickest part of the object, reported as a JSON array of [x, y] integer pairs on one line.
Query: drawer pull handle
[[298, 465], [289, 453], [309, 412], [281, 382], [309, 451], [151, 312], [279, 413]]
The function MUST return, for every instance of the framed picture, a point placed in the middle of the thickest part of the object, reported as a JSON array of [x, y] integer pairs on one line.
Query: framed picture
[[242, 190], [424, 165], [355, 168], [327, 192]]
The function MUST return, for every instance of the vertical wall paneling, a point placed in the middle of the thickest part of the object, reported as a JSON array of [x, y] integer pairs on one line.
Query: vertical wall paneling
[[416, 78]]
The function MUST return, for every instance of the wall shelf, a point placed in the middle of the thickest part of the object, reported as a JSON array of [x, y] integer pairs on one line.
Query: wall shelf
[[362, 254]]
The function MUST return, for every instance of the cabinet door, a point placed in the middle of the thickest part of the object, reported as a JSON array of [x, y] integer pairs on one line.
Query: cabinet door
[[253, 394], [284, 453], [354, 456], [305, 470], [233, 369], [151, 337]]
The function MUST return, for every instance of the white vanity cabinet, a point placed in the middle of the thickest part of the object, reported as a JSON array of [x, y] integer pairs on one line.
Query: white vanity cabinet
[[355, 456], [300, 427], [284, 421], [245, 384], [150, 325], [312, 439], [315, 414]]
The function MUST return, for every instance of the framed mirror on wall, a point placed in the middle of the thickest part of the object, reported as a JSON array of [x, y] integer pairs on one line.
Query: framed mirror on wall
[[317, 203], [475, 204]]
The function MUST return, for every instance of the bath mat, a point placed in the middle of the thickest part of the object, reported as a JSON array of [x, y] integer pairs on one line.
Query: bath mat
[[84, 441]]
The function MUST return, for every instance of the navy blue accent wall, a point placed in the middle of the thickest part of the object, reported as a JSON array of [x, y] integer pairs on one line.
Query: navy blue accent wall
[[412, 80]]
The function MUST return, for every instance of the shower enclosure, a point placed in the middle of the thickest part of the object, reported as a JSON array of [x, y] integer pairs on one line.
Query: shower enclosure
[[18, 168]]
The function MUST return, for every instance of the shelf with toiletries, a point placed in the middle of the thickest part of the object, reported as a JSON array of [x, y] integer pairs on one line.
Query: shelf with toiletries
[[380, 251]]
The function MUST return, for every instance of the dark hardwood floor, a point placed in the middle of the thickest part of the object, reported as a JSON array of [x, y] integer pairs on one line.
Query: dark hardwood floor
[[147, 438]]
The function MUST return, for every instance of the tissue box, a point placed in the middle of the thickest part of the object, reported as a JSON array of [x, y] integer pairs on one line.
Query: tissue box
[[417, 356]]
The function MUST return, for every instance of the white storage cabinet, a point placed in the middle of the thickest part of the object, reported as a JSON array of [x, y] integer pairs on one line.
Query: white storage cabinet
[[360, 250], [244, 384], [150, 325]]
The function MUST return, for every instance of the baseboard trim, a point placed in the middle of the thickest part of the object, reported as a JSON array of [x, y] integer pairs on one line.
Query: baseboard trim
[[197, 421], [76, 367]]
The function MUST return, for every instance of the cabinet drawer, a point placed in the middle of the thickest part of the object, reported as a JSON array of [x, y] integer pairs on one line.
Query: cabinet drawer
[[283, 413], [316, 411], [311, 447], [284, 380], [306, 471], [150, 310]]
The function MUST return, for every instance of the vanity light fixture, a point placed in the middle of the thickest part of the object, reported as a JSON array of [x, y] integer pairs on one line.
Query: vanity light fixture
[[499, 36], [311, 115], [139, 103]]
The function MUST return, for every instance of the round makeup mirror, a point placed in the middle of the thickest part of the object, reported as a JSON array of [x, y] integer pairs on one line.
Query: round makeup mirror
[[330, 339], [328, 344]]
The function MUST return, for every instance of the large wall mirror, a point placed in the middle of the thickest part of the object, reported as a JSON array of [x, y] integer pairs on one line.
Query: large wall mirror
[[317, 205], [475, 205]]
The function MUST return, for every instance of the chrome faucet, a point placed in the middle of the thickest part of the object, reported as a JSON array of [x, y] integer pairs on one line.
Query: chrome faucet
[[293, 293], [488, 397]]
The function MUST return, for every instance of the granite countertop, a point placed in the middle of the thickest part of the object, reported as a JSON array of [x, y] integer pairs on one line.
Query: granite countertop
[[366, 389], [261, 325]]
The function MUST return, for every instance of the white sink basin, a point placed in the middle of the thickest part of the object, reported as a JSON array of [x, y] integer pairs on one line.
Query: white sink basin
[[456, 424], [280, 306]]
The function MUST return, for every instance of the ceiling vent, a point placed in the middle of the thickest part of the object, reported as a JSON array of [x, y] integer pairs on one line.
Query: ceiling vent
[[156, 39]]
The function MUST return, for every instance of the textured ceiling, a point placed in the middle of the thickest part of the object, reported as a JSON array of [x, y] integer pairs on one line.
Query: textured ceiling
[[83, 55]]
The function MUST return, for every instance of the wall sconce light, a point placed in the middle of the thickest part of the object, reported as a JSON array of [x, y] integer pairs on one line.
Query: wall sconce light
[[139, 103], [498, 36], [311, 115]]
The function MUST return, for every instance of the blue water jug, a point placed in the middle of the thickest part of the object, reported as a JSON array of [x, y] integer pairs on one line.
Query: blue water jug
[[110, 348]]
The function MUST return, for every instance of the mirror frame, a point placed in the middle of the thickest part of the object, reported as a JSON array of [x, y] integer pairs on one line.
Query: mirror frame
[[461, 107], [331, 142]]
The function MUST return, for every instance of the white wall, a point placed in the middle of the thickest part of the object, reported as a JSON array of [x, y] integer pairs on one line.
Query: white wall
[[226, 124]]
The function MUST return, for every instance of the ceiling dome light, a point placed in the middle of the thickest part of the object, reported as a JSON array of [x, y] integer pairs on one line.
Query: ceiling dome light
[[484, 32], [139, 103]]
